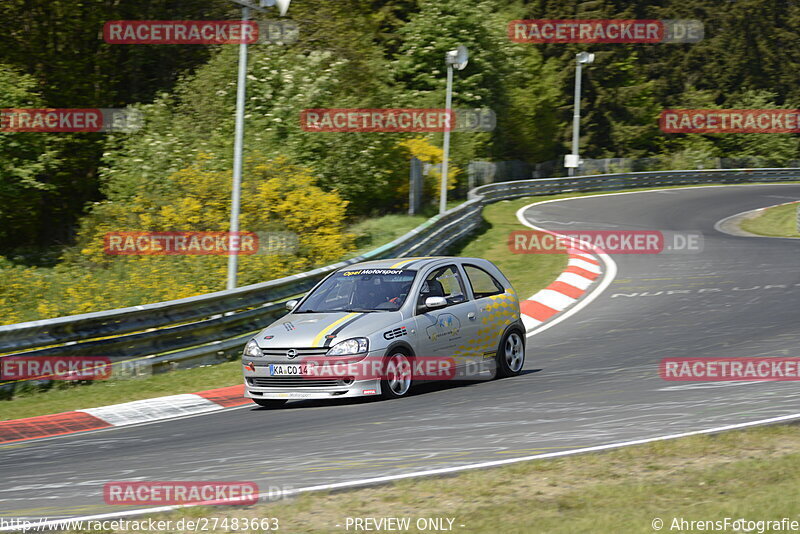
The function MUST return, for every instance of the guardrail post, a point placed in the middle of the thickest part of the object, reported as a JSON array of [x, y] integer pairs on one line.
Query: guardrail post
[[415, 186]]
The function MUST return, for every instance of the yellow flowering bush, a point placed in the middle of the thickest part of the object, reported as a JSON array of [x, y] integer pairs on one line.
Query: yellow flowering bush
[[277, 196], [422, 149]]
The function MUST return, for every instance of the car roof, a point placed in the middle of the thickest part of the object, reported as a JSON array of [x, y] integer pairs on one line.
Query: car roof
[[413, 263]]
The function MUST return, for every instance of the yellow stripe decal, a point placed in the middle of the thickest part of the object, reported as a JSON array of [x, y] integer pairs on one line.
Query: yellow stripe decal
[[330, 327], [403, 262]]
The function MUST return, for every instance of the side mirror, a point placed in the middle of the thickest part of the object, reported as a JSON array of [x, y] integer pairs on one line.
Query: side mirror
[[435, 302], [290, 305]]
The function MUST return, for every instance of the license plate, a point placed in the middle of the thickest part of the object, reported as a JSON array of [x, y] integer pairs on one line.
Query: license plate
[[290, 369]]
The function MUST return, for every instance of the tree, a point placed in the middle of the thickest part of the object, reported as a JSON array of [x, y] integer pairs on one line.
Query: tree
[[24, 158], [58, 43]]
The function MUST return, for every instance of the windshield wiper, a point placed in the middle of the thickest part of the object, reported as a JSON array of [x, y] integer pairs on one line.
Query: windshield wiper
[[360, 310]]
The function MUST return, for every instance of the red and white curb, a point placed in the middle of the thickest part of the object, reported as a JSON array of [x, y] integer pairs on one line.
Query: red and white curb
[[125, 414], [582, 270], [589, 272]]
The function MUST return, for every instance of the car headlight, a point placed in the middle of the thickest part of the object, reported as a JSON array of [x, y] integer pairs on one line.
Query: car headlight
[[357, 345], [252, 349]]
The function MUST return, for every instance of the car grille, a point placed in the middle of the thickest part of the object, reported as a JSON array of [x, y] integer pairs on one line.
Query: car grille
[[293, 382], [301, 353]]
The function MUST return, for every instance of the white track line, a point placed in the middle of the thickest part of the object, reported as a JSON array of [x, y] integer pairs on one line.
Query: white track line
[[720, 223], [431, 472]]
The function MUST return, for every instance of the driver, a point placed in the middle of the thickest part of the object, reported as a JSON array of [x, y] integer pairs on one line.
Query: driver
[[382, 294], [395, 293]]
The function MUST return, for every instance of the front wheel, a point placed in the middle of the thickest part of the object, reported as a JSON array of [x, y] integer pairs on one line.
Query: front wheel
[[396, 380], [270, 403], [510, 355]]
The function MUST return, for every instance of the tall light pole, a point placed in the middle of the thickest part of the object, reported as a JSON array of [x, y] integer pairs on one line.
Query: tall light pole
[[238, 139], [572, 161], [458, 59]]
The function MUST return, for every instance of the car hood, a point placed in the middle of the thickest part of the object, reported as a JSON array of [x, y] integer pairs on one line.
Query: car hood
[[306, 330]]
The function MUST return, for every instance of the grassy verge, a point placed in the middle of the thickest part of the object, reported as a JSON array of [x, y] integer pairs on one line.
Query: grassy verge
[[749, 474], [372, 233], [101, 393], [779, 221], [527, 272]]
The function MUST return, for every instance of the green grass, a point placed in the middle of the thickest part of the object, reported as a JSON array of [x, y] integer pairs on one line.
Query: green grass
[[372, 233], [749, 474], [527, 272], [375, 232], [778, 221], [65, 397]]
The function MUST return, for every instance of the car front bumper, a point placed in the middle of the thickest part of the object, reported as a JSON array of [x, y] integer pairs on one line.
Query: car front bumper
[[260, 385], [359, 388]]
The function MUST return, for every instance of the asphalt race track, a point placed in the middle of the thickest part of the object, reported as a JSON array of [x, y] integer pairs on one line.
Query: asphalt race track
[[589, 380]]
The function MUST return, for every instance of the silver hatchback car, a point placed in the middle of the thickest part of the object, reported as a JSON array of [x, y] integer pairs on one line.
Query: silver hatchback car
[[374, 328]]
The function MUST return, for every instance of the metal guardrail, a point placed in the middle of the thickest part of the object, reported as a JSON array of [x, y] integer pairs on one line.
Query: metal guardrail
[[632, 180], [214, 327]]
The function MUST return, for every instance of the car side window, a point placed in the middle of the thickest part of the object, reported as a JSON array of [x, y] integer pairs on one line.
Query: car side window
[[482, 283], [443, 282]]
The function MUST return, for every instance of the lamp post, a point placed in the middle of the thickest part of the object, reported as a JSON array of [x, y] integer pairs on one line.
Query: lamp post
[[572, 161], [458, 59], [238, 139]]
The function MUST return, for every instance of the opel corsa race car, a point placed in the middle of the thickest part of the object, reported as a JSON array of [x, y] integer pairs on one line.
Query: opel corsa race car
[[373, 328]]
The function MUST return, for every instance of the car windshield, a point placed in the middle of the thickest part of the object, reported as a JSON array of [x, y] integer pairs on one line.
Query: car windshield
[[360, 290]]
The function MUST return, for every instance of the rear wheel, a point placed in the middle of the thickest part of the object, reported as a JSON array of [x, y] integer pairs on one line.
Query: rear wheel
[[270, 403], [396, 379], [510, 355]]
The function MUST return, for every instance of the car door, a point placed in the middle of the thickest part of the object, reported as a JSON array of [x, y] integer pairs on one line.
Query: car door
[[449, 331], [495, 308]]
